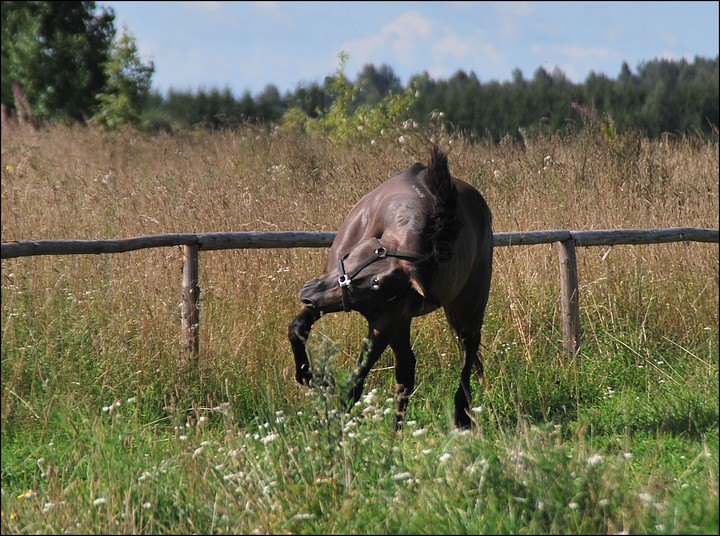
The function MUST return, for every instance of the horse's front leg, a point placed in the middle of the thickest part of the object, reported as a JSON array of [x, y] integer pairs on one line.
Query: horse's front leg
[[404, 370], [378, 338], [298, 332]]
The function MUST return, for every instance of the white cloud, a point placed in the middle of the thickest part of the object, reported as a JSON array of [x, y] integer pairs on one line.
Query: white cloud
[[452, 45], [578, 52], [669, 39], [402, 36], [512, 16], [573, 51]]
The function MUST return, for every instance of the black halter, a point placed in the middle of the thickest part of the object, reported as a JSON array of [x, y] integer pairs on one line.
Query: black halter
[[345, 279]]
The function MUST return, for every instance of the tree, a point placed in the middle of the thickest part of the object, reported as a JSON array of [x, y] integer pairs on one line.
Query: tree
[[376, 84], [56, 53], [127, 85]]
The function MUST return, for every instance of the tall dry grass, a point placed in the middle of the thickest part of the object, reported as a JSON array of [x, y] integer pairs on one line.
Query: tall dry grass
[[97, 438], [75, 182]]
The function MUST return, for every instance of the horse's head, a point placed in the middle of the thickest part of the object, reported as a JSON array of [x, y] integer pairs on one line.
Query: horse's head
[[371, 276]]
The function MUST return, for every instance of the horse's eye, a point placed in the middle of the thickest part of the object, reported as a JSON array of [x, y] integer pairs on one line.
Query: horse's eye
[[375, 284]]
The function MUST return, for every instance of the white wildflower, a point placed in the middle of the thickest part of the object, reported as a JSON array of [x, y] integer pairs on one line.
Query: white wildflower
[[302, 516], [402, 476], [100, 501], [595, 460]]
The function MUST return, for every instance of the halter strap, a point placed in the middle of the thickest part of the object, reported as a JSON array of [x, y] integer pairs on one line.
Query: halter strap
[[345, 279]]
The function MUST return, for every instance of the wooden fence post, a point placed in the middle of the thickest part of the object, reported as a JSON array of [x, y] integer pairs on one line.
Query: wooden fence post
[[570, 295], [190, 306]]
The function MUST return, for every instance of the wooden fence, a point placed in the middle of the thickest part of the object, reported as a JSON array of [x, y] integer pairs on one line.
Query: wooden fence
[[566, 242]]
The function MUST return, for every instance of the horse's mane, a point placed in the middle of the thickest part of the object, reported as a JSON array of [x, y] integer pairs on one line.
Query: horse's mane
[[443, 224]]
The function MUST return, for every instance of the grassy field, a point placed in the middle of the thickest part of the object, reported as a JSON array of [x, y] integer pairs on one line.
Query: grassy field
[[101, 434]]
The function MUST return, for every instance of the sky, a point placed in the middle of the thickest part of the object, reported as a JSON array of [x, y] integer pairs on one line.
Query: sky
[[244, 46]]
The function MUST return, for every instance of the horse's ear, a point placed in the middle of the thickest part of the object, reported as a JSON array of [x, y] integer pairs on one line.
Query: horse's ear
[[417, 284]]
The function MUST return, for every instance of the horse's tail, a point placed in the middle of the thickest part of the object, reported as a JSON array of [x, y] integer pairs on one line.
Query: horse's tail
[[445, 221]]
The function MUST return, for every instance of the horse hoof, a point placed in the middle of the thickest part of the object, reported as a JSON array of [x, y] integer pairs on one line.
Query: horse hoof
[[463, 421], [304, 378]]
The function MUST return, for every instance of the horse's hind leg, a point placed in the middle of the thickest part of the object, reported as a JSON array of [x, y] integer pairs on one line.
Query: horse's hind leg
[[466, 317], [298, 332], [469, 342], [404, 369]]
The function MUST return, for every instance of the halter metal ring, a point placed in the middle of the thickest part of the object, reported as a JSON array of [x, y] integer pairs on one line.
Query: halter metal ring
[[381, 252], [344, 281]]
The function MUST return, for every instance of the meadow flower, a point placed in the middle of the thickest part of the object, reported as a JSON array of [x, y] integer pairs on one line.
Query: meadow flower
[[419, 432], [198, 451], [29, 494], [302, 516], [100, 501], [147, 505], [269, 438], [402, 476], [594, 460], [573, 506], [645, 498], [445, 457], [370, 397]]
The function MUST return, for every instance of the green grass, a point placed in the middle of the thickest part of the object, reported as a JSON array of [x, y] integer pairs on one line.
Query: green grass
[[101, 433], [623, 438]]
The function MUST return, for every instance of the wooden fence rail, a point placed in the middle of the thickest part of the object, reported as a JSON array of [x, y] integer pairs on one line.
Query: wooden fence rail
[[567, 242]]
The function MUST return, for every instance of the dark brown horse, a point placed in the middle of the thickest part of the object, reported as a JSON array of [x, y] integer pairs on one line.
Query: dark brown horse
[[419, 241]]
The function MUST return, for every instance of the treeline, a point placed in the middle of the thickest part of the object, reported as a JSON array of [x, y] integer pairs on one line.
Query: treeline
[[661, 96], [66, 61]]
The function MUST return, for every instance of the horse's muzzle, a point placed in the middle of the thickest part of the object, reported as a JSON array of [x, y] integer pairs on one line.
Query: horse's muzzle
[[311, 293]]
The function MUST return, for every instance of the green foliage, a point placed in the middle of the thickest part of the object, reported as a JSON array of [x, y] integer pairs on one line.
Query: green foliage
[[346, 122], [128, 83], [55, 52], [663, 96]]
